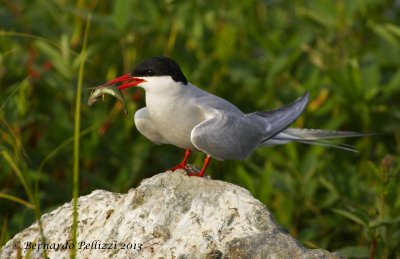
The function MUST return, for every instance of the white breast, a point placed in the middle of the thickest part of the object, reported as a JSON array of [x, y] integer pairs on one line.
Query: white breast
[[175, 114]]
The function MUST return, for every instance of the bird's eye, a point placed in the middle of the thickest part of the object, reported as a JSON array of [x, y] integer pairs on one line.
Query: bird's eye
[[148, 72]]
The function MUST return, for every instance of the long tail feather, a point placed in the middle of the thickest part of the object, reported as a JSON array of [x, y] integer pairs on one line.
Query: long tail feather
[[314, 137], [329, 144], [314, 134]]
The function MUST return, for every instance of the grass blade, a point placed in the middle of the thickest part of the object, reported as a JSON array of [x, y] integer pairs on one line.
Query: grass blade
[[16, 199], [75, 181]]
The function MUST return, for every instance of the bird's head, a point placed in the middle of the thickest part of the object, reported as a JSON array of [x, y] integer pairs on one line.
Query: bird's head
[[152, 73]]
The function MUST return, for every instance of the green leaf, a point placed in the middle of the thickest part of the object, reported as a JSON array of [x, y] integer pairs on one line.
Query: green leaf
[[393, 28], [385, 33], [353, 251], [350, 216], [383, 222], [13, 164], [120, 15], [333, 194], [322, 12], [59, 62]]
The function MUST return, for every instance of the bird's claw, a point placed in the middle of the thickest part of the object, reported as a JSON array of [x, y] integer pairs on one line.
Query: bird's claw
[[190, 169], [198, 174], [179, 166]]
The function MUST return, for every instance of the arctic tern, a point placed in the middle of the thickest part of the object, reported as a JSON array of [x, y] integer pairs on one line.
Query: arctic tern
[[181, 114]]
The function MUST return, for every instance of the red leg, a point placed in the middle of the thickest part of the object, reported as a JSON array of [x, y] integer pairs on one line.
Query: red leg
[[206, 162], [182, 165]]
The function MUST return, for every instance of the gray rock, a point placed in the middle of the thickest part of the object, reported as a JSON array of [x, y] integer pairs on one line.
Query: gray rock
[[169, 215]]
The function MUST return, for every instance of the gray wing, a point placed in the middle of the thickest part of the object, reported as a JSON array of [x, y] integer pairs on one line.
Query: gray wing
[[279, 119], [227, 135]]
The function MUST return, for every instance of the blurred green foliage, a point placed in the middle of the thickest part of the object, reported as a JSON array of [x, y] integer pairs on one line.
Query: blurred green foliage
[[256, 54]]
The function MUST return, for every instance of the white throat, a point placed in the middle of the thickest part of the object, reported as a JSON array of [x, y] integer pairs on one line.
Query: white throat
[[160, 85]]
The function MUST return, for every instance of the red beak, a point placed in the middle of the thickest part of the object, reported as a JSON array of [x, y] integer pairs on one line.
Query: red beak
[[131, 81]]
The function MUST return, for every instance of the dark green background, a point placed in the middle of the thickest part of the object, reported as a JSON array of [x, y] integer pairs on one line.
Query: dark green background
[[257, 54]]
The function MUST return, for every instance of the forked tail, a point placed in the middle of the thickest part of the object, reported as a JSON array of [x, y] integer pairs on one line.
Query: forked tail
[[314, 137]]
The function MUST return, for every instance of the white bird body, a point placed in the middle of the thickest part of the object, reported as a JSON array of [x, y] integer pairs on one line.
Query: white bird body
[[174, 116], [161, 118], [180, 114]]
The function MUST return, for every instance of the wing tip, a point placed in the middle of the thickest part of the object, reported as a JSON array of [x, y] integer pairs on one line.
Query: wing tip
[[302, 101]]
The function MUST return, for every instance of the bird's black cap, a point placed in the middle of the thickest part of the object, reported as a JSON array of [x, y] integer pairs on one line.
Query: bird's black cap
[[159, 66]]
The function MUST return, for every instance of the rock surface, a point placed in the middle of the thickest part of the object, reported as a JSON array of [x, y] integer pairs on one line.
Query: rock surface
[[169, 215]]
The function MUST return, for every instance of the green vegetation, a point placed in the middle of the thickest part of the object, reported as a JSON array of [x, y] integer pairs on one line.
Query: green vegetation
[[256, 54]]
